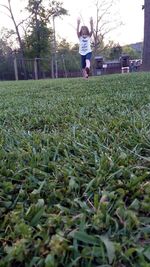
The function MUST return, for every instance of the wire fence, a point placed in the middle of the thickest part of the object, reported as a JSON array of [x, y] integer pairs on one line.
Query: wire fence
[[16, 68], [7, 69]]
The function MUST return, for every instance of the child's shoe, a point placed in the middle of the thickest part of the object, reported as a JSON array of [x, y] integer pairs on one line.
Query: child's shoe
[[87, 70]]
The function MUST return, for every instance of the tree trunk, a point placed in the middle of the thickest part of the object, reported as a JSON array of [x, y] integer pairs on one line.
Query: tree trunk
[[146, 45], [19, 40], [38, 47]]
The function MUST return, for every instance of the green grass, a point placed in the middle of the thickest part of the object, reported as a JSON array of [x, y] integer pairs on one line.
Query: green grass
[[74, 172]]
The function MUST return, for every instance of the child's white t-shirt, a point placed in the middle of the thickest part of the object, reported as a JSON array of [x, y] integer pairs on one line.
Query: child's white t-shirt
[[84, 45]]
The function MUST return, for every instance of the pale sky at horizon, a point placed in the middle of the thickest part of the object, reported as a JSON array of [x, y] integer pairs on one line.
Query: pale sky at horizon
[[130, 13]]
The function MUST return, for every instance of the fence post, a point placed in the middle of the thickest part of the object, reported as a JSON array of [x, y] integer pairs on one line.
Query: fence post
[[16, 69], [35, 69], [64, 65], [52, 67]]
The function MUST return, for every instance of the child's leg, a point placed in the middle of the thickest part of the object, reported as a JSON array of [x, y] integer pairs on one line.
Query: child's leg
[[83, 63], [87, 67], [88, 62]]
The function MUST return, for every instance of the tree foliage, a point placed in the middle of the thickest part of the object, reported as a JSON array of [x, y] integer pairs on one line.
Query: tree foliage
[[40, 33], [115, 52], [127, 49], [6, 56], [69, 59]]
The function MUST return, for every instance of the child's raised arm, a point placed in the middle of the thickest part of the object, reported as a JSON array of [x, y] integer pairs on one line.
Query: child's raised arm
[[91, 24], [78, 25]]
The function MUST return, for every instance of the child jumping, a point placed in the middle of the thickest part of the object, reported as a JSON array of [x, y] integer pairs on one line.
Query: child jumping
[[85, 50]]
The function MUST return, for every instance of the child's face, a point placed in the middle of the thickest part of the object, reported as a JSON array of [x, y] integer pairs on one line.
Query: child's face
[[84, 32]]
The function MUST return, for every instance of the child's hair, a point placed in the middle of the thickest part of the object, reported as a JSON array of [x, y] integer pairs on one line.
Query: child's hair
[[86, 30]]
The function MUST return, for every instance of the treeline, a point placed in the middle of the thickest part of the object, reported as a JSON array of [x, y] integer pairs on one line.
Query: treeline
[[39, 41]]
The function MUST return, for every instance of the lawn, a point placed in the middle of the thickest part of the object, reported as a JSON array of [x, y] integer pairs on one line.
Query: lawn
[[74, 172]]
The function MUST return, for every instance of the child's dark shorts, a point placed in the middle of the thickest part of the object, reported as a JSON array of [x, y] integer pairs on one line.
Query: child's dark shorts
[[83, 59]]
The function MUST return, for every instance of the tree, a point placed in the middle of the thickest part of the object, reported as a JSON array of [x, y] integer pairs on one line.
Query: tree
[[37, 47], [127, 49], [6, 67], [55, 10], [8, 36], [103, 23], [8, 7], [37, 36], [146, 45], [40, 34], [69, 58], [115, 52]]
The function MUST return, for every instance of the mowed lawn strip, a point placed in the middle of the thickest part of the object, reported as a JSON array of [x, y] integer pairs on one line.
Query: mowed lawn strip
[[74, 172]]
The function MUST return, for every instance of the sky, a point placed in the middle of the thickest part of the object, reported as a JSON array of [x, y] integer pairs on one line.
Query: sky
[[128, 12]]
